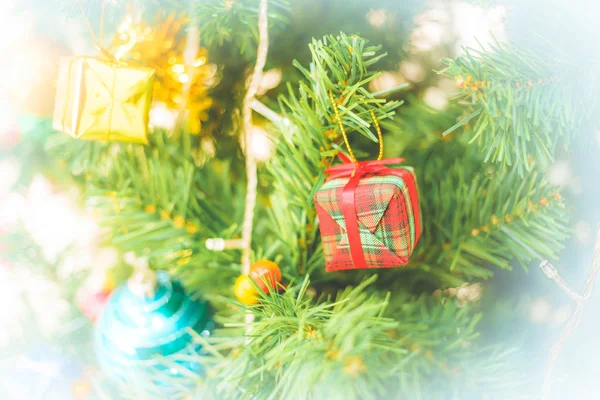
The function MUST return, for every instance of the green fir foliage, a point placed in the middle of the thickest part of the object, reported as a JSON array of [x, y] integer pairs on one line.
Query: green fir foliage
[[351, 345], [156, 201], [521, 103]]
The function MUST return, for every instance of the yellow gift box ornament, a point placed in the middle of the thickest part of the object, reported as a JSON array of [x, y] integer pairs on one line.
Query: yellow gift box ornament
[[103, 98]]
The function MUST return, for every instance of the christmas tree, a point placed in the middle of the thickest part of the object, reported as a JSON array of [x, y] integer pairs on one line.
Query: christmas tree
[[213, 193]]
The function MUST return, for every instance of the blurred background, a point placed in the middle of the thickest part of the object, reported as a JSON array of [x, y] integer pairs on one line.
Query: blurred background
[[55, 273]]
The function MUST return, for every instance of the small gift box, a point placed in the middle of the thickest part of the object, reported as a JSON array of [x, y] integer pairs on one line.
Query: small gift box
[[368, 214], [103, 99]]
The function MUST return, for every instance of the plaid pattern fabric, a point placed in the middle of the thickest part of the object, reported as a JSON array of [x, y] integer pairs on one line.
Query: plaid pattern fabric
[[386, 222]]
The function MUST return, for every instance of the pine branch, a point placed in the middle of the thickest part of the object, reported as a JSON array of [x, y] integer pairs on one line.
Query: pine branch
[[153, 199], [480, 218], [475, 216], [349, 346], [494, 218], [522, 103]]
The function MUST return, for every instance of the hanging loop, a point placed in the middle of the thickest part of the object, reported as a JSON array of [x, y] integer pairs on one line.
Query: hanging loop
[[343, 130]]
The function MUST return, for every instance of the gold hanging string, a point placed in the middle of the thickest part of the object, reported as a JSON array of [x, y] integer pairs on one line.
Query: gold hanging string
[[378, 129], [343, 130], [91, 30], [102, 23], [99, 42]]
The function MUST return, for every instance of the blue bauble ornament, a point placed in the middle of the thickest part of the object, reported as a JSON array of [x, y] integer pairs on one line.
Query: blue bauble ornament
[[144, 336]]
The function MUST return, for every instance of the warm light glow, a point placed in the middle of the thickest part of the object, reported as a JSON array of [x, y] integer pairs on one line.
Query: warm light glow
[[183, 78], [560, 173], [261, 144], [540, 310], [200, 61], [432, 28], [461, 24], [412, 71], [562, 315], [178, 68], [270, 80], [377, 17], [386, 80], [583, 232], [436, 98], [477, 24], [162, 117]]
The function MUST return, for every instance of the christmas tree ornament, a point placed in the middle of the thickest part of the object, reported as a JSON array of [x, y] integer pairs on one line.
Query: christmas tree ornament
[[104, 98], [143, 332], [368, 212], [245, 291], [266, 274], [182, 72]]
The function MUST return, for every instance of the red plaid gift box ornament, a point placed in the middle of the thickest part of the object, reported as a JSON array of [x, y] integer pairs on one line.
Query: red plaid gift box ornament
[[368, 212]]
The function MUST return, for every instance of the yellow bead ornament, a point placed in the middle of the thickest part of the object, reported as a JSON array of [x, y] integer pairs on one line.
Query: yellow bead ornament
[[245, 291]]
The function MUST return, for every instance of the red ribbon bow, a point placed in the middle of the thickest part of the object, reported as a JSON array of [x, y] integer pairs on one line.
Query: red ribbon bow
[[356, 171]]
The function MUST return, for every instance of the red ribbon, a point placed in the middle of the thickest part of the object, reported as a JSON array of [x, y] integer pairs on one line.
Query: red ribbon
[[356, 171]]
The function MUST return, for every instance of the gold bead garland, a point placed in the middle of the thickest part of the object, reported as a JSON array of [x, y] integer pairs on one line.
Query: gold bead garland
[[495, 221], [478, 86]]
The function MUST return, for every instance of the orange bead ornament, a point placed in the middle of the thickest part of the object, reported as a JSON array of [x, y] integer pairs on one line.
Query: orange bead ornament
[[245, 291], [266, 274]]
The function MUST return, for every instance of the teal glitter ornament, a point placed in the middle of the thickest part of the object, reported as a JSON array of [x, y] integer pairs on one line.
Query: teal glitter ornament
[[143, 333]]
